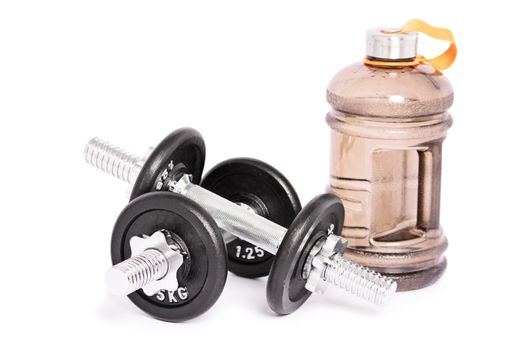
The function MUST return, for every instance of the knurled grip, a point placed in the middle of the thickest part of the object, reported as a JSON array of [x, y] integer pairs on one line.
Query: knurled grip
[[233, 218]]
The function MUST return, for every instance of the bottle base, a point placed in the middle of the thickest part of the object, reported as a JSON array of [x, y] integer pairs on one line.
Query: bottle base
[[418, 279]]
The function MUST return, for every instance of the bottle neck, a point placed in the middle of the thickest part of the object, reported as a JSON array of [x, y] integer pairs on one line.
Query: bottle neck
[[391, 63]]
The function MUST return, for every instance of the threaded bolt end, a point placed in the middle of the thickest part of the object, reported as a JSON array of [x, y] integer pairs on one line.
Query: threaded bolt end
[[136, 272], [359, 280], [112, 159]]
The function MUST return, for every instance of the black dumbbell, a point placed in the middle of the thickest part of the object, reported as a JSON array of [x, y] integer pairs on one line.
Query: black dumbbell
[[309, 254]]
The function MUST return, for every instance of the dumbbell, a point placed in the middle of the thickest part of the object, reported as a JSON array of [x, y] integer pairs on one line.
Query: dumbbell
[[252, 184], [169, 257], [309, 255]]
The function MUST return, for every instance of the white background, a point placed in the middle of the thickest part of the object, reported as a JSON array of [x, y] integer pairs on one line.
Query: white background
[[251, 77]]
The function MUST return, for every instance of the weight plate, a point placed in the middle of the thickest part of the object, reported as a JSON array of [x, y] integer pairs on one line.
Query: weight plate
[[202, 284], [286, 290], [267, 192], [181, 152]]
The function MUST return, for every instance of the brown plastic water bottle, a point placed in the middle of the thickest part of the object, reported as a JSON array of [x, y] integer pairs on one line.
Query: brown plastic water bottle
[[388, 120]]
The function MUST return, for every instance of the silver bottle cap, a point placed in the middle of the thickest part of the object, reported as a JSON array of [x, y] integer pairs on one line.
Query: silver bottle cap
[[389, 44]]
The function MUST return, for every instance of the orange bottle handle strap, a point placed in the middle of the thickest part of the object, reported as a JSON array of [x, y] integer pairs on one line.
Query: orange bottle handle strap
[[441, 62]]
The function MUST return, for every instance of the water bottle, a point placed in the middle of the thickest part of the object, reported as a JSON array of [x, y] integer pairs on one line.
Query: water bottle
[[388, 120]]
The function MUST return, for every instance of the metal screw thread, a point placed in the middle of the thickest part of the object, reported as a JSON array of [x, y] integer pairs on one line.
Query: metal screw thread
[[112, 159], [136, 272], [359, 280]]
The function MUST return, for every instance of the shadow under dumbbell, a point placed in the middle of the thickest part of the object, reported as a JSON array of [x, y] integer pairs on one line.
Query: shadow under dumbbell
[[339, 300], [115, 309], [246, 293]]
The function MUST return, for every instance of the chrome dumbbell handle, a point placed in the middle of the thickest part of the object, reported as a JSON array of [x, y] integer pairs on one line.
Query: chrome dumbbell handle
[[233, 218]]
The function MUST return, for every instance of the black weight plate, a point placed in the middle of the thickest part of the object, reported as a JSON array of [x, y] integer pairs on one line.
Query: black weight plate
[[184, 147], [203, 283], [264, 189], [286, 290]]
